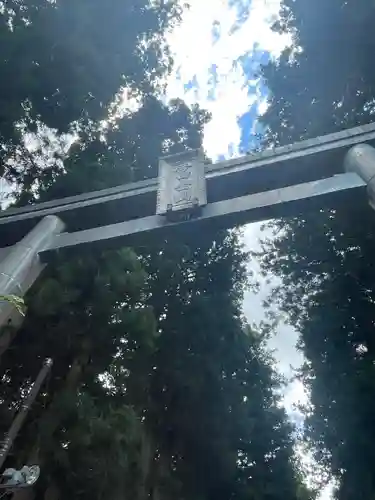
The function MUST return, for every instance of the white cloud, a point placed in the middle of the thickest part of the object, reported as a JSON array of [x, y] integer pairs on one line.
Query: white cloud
[[206, 49]]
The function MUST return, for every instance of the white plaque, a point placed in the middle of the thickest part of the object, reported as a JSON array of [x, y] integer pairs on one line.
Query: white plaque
[[182, 185]]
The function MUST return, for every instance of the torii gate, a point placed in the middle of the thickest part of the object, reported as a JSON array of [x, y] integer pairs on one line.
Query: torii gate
[[321, 172]]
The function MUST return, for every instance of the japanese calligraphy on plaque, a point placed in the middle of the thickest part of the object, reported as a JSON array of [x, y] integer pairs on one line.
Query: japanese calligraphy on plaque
[[182, 185]]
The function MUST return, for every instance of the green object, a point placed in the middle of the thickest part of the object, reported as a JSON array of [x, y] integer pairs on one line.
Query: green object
[[16, 301]]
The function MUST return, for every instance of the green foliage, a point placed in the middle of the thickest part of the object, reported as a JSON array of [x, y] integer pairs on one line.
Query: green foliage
[[100, 454], [325, 259]]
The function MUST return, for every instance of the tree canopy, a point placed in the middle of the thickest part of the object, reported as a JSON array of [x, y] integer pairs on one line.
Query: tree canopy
[[64, 65], [323, 83]]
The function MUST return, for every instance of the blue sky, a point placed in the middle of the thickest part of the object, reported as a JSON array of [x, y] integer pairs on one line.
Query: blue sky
[[217, 50]]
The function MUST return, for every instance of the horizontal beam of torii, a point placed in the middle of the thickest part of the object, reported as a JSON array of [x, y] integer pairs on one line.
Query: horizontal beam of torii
[[271, 170], [190, 193]]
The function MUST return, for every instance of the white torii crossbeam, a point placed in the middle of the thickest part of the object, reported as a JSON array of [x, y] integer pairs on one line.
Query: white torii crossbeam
[[321, 172]]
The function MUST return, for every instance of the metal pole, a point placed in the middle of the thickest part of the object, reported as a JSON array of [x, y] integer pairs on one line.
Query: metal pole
[[22, 414], [21, 265]]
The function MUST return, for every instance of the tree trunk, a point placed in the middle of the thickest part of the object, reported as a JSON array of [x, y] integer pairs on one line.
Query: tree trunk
[[145, 463]]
